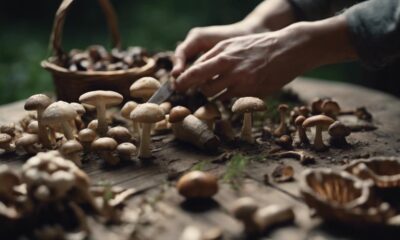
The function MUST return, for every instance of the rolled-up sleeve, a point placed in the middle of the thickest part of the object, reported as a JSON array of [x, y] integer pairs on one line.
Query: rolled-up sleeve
[[375, 31]]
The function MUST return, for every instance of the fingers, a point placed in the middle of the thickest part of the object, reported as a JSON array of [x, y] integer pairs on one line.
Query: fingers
[[201, 72], [217, 85], [212, 53]]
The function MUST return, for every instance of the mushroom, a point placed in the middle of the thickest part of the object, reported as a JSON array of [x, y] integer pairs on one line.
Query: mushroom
[[301, 131], [72, 150], [147, 114], [86, 136], [316, 106], [27, 143], [248, 105], [166, 107], [5, 142], [80, 110], [321, 123], [120, 134], [244, 210], [208, 113], [33, 127], [126, 112], [177, 114], [197, 184], [39, 103], [162, 126], [60, 113], [8, 128], [126, 150], [338, 132], [282, 129], [285, 141], [101, 100], [144, 88], [304, 111], [8, 181], [271, 215], [330, 108], [93, 125], [105, 147]]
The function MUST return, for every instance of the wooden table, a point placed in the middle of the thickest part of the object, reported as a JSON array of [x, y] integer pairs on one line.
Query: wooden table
[[164, 214]]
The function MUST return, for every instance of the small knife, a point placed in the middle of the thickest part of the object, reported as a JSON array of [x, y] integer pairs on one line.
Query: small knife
[[162, 94]]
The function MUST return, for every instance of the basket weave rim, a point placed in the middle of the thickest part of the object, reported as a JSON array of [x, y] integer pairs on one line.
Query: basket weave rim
[[49, 65]]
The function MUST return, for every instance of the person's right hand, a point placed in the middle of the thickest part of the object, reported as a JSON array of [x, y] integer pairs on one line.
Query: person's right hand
[[202, 39]]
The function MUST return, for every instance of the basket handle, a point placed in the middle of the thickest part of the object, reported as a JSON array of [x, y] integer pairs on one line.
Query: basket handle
[[57, 31]]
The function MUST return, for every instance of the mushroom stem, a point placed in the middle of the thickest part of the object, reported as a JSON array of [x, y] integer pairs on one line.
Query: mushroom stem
[[101, 120], [67, 129], [144, 149], [318, 141], [136, 129], [246, 133], [302, 135], [43, 134]]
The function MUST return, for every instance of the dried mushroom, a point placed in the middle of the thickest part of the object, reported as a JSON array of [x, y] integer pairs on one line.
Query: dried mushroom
[[197, 184]]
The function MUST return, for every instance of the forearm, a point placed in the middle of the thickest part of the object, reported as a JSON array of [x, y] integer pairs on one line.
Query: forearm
[[270, 15]]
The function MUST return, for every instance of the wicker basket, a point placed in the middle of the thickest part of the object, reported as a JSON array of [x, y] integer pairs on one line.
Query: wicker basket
[[69, 85]]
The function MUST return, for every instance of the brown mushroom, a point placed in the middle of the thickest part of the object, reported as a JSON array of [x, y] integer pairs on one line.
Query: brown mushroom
[[338, 132], [316, 106], [197, 184], [224, 129], [282, 129], [93, 125], [321, 123], [330, 108], [120, 134], [147, 114], [72, 150], [244, 210], [105, 147], [8, 128], [248, 105], [86, 136], [5, 142], [27, 143], [60, 113], [144, 88], [101, 99], [39, 103], [208, 113], [33, 127], [126, 112], [126, 150], [301, 131], [285, 141], [177, 114], [80, 110], [166, 107]]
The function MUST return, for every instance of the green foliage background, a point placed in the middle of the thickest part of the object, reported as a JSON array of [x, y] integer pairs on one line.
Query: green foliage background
[[157, 25]]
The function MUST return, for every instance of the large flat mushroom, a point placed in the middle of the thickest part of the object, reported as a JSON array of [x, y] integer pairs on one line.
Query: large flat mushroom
[[60, 113], [321, 123], [101, 100], [38, 103], [144, 88], [248, 105], [147, 114]]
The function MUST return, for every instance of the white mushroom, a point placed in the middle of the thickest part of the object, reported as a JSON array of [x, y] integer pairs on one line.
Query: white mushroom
[[126, 112], [321, 123], [72, 150], [144, 88]]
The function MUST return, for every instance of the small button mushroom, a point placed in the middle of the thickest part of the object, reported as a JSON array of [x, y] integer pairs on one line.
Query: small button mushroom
[[8, 128], [316, 106], [330, 108], [208, 114], [146, 114], [80, 110], [8, 180], [27, 143], [60, 113], [248, 105], [126, 151], [72, 150], [285, 141], [166, 107], [101, 100], [338, 132], [321, 123], [39, 103], [33, 127], [301, 131], [93, 124], [144, 88], [120, 134], [197, 184], [5, 142], [244, 210], [105, 147], [269, 216], [86, 136], [177, 114], [126, 112], [304, 111], [163, 126], [282, 129]]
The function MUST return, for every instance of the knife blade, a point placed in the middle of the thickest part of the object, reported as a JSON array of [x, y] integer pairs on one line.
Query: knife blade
[[162, 94]]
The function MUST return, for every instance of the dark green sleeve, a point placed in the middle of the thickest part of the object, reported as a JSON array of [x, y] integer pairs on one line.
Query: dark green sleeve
[[375, 31]]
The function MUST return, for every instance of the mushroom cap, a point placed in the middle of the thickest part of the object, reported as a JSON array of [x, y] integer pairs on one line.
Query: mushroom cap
[[27, 139], [58, 112], [144, 87], [299, 120], [166, 107], [36, 102], [128, 108], [244, 208], [8, 128], [338, 129], [305, 111], [71, 146], [119, 133], [197, 184], [87, 135], [93, 124], [109, 98], [104, 144], [316, 106], [126, 148], [33, 127], [248, 104], [283, 107], [178, 113], [5, 138], [80, 110], [147, 113], [320, 120], [207, 112], [330, 106]]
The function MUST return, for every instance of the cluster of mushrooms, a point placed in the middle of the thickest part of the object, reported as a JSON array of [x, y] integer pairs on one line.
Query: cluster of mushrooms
[[54, 190]]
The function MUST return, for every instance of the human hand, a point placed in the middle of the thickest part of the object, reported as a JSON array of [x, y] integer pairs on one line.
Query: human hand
[[260, 64]]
